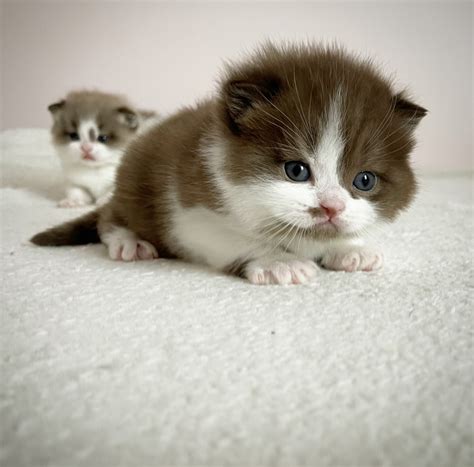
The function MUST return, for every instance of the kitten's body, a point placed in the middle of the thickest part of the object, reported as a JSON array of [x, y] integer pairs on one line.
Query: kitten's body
[[217, 184], [90, 132]]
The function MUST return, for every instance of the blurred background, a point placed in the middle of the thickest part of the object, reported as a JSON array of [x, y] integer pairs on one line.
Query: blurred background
[[164, 55]]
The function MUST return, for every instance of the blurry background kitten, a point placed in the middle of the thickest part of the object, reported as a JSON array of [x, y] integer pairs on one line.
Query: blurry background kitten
[[90, 132]]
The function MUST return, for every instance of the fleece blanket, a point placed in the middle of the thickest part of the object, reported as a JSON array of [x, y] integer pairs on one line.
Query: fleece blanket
[[166, 363]]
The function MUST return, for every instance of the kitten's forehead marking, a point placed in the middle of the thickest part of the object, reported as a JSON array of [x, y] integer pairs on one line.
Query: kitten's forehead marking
[[88, 130], [329, 150]]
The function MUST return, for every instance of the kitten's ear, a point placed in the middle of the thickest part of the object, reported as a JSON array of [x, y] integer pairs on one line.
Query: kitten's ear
[[128, 117], [241, 96], [408, 110], [56, 107]]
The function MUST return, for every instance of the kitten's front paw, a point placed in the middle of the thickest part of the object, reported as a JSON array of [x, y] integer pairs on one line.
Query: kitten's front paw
[[283, 272], [132, 250], [357, 259], [124, 245], [72, 203]]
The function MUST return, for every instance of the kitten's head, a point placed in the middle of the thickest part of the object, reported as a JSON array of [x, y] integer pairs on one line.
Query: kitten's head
[[316, 143], [92, 127]]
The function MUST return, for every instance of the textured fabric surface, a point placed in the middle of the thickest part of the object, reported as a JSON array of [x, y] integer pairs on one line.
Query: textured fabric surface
[[165, 363]]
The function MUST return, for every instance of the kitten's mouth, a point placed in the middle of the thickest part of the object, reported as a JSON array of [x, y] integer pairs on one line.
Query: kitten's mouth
[[88, 157], [327, 225]]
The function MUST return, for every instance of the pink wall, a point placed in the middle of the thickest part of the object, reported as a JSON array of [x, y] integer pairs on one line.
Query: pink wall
[[164, 55]]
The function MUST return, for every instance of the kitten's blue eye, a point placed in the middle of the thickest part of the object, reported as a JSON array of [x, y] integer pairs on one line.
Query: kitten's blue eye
[[74, 136], [102, 138], [297, 171], [365, 181]]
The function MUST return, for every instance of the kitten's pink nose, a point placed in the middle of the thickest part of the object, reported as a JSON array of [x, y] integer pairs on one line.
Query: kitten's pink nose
[[333, 207], [86, 147]]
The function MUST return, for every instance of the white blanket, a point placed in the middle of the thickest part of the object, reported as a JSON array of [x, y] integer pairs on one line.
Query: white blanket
[[166, 363]]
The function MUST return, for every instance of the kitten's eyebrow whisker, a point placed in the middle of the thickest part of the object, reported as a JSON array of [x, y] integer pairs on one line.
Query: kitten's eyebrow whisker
[[278, 120], [311, 136], [383, 124], [298, 134], [300, 106], [290, 150], [396, 150], [409, 121]]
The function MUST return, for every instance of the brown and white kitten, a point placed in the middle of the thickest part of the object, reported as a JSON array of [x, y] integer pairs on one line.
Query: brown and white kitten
[[90, 132], [302, 152]]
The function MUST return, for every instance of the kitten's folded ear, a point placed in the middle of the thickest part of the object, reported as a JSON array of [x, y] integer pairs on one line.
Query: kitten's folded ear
[[241, 96], [128, 117], [56, 107], [408, 110]]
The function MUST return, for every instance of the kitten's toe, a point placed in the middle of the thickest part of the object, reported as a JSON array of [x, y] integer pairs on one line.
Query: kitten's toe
[[281, 272], [361, 259], [132, 250], [372, 261], [146, 250], [125, 246]]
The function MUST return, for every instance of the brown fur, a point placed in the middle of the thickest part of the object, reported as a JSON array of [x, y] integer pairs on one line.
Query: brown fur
[[259, 104], [76, 232]]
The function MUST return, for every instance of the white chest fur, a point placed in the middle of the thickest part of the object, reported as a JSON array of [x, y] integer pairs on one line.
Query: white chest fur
[[202, 235], [96, 180]]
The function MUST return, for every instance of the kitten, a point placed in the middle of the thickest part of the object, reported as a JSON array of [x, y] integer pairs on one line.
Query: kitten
[[90, 132], [302, 152]]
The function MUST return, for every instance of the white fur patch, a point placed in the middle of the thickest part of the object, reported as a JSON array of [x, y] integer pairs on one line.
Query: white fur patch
[[98, 181], [206, 236], [327, 156], [85, 126], [358, 214]]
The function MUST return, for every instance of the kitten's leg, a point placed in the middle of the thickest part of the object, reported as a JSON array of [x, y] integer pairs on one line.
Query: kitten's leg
[[279, 268], [104, 199], [75, 197], [124, 245], [350, 258]]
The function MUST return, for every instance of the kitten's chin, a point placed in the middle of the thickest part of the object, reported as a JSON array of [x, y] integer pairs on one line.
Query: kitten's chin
[[329, 231], [95, 162], [90, 161]]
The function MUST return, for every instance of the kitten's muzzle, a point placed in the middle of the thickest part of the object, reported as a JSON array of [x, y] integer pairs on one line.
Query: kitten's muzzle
[[333, 208], [328, 210], [86, 151]]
